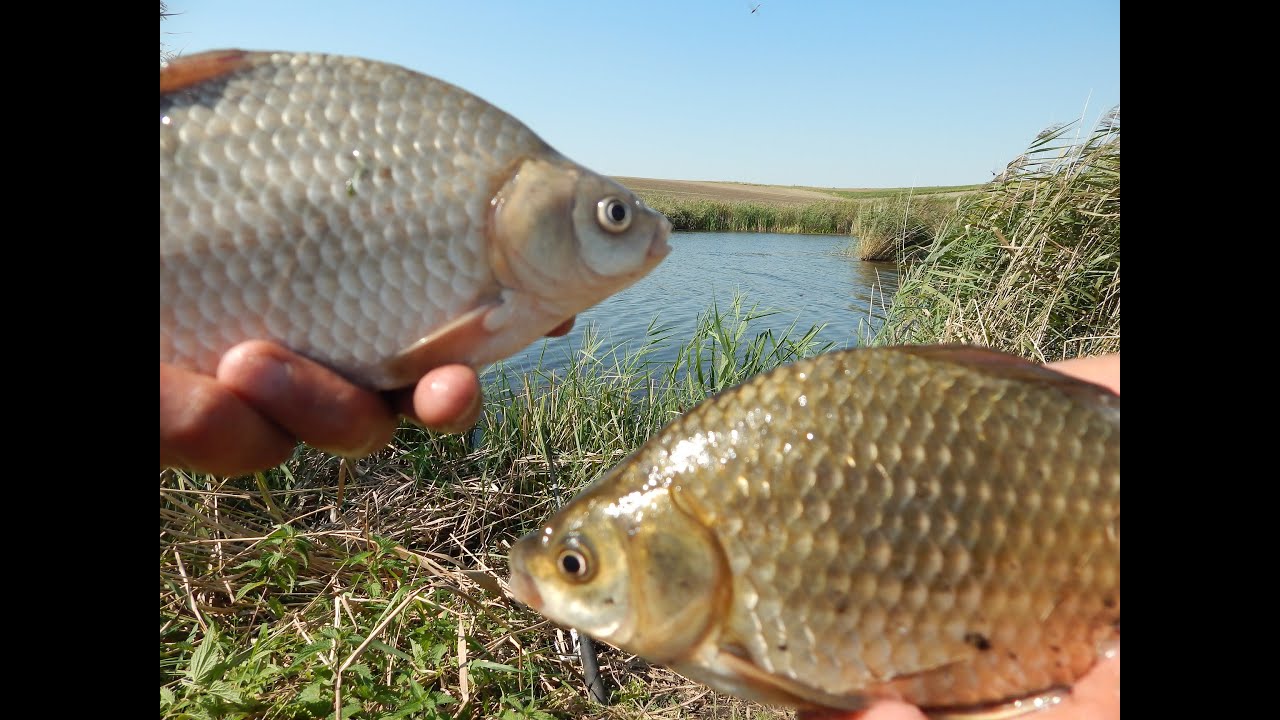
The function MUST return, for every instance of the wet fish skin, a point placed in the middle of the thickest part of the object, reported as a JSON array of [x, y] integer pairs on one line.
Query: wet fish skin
[[939, 525], [375, 219]]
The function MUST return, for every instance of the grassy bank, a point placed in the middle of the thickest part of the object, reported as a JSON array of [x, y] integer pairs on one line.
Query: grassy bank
[[374, 587], [834, 217], [1032, 264], [898, 227]]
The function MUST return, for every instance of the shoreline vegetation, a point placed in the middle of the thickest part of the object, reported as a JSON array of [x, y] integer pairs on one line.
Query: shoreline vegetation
[[373, 588], [881, 218], [1031, 265]]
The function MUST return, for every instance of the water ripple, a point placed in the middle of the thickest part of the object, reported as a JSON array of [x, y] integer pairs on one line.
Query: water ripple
[[799, 276]]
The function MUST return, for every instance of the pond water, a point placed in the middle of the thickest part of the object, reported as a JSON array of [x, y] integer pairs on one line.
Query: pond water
[[800, 278]]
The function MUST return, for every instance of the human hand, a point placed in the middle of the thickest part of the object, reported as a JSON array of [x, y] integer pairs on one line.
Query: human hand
[[1103, 370], [264, 399], [1094, 696]]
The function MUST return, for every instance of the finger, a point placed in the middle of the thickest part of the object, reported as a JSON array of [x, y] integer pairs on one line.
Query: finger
[[563, 328], [205, 427], [447, 399], [881, 710], [1103, 370], [1096, 696], [305, 398]]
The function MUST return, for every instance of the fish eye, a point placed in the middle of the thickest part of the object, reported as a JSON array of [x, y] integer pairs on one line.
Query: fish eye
[[574, 561], [614, 214]]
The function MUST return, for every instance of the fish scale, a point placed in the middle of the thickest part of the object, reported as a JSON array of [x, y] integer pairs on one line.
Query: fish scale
[[375, 219], [238, 109], [939, 525]]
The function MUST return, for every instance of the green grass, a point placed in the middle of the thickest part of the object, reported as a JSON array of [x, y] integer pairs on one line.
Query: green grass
[[373, 588], [1032, 264]]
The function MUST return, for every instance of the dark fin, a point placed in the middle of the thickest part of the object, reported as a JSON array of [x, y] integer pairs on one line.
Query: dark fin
[[487, 581], [452, 343], [184, 72], [1004, 366], [789, 691], [1040, 700]]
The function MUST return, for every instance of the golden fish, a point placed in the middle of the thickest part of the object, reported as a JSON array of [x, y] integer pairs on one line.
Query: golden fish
[[939, 525], [377, 220]]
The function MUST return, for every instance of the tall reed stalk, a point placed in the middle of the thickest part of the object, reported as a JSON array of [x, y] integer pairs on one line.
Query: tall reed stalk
[[1032, 265]]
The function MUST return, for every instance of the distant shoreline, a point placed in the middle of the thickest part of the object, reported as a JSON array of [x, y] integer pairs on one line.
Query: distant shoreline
[[874, 214], [783, 195]]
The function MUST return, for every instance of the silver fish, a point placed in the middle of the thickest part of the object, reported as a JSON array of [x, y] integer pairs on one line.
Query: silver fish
[[372, 218]]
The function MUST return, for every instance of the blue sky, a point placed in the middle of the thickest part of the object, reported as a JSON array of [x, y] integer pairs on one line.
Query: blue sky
[[831, 94]]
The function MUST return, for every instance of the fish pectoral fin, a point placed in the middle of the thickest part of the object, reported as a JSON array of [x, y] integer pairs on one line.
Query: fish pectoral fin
[[771, 688], [452, 343], [512, 308], [185, 72]]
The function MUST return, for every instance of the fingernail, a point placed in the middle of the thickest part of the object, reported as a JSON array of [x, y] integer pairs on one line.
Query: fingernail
[[438, 386], [266, 378], [472, 411]]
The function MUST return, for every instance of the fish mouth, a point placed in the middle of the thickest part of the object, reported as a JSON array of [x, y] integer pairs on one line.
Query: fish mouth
[[522, 588], [658, 246]]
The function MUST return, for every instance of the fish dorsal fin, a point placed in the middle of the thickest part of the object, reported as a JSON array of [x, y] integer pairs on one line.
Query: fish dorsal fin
[[1005, 366], [452, 343], [189, 71]]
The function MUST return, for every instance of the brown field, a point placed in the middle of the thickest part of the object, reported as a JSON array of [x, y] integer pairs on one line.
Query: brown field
[[727, 191], [739, 192]]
